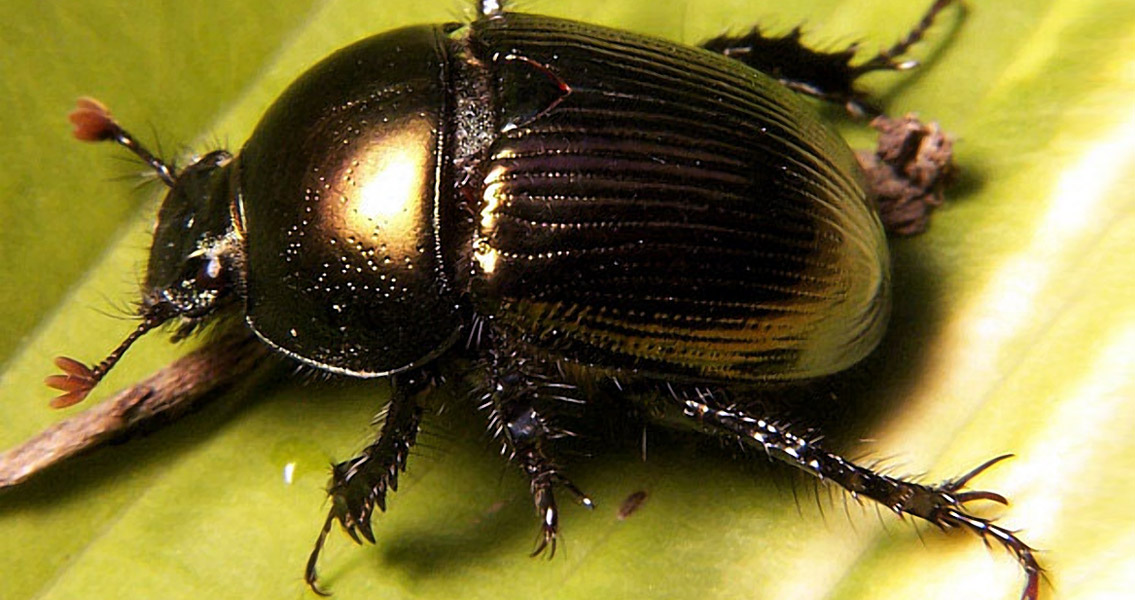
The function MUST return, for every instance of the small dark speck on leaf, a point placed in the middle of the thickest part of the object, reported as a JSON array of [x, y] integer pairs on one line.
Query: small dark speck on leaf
[[631, 504], [493, 509]]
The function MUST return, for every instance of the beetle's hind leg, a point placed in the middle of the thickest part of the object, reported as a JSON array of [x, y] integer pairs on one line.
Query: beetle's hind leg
[[360, 484], [829, 76], [943, 504], [522, 403]]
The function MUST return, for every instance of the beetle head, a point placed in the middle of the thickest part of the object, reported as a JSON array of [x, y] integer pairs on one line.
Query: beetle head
[[195, 254], [196, 250]]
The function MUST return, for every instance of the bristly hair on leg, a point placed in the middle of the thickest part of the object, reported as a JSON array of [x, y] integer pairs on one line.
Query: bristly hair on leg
[[828, 76], [944, 504]]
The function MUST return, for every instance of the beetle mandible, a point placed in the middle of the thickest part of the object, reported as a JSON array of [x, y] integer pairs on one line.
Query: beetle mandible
[[576, 210]]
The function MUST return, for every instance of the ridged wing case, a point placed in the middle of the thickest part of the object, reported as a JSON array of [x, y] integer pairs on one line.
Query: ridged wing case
[[662, 209]]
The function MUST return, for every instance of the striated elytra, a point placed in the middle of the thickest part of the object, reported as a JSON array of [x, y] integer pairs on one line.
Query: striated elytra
[[584, 218]]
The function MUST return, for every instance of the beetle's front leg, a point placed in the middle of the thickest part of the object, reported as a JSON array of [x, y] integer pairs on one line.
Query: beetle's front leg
[[829, 76], [942, 504], [517, 417], [361, 483]]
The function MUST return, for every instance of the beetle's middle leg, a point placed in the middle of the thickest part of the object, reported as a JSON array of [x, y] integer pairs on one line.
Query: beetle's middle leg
[[360, 484], [943, 504], [829, 76], [521, 404]]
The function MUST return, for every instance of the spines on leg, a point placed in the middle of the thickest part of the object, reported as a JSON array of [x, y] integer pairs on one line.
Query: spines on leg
[[829, 76], [524, 400], [360, 484], [943, 505]]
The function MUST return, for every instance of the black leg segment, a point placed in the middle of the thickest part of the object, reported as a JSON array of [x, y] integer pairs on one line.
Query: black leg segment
[[360, 484], [942, 504], [828, 76], [523, 401]]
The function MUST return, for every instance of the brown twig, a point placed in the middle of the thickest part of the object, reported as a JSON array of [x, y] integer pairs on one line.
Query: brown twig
[[172, 391]]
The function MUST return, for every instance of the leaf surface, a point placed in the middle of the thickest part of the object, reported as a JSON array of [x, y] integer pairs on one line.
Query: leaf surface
[[1014, 331]]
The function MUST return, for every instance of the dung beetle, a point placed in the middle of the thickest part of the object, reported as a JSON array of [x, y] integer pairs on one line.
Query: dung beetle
[[580, 213]]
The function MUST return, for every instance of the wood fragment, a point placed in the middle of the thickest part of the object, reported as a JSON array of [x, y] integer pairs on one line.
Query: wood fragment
[[184, 385], [907, 172]]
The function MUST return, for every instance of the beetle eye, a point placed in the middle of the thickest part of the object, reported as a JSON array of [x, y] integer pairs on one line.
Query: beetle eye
[[211, 273]]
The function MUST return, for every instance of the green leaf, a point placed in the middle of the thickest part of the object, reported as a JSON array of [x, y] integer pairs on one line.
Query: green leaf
[[1014, 332]]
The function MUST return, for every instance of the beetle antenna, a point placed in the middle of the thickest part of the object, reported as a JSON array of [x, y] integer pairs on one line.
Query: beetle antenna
[[93, 123], [77, 379]]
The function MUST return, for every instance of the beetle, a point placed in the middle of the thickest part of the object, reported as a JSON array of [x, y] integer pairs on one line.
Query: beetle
[[579, 211]]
